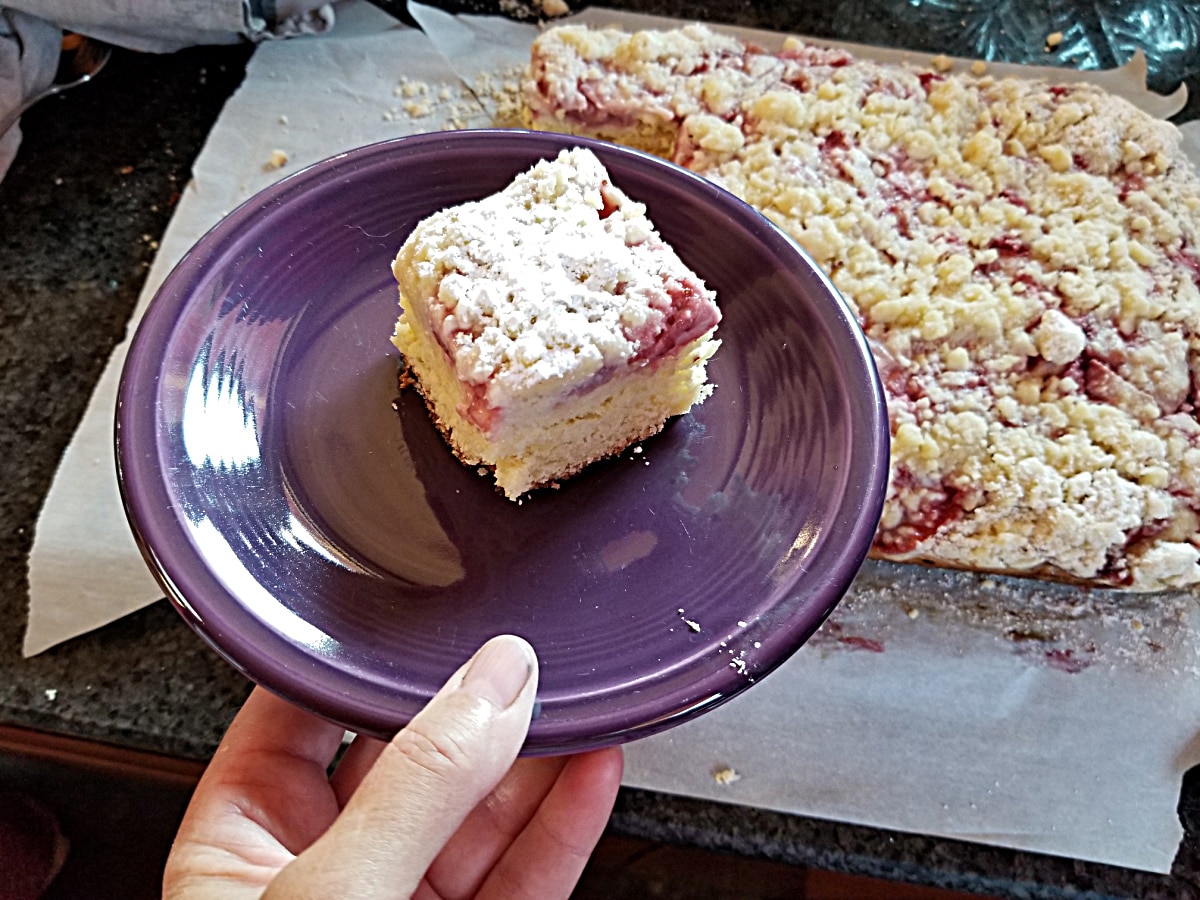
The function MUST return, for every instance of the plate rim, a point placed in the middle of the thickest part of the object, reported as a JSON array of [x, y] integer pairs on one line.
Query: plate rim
[[131, 439]]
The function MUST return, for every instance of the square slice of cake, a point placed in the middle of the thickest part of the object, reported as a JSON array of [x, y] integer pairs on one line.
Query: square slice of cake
[[549, 325]]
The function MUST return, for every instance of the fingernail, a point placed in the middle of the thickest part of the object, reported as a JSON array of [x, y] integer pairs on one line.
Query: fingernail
[[500, 669]]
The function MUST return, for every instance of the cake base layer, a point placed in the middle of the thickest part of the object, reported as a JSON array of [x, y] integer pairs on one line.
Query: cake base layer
[[524, 455]]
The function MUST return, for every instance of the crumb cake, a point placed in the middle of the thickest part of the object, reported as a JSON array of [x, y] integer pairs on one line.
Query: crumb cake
[[1024, 258], [549, 325]]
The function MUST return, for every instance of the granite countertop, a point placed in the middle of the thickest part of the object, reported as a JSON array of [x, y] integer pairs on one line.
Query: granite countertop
[[88, 196]]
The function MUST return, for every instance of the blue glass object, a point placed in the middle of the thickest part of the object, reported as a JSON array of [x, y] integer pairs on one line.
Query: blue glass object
[[1088, 34]]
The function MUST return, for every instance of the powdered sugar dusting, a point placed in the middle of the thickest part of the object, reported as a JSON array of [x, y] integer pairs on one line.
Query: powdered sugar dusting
[[559, 277]]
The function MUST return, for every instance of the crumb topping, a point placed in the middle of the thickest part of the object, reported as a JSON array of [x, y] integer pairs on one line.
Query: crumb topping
[[557, 280], [1024, 257]]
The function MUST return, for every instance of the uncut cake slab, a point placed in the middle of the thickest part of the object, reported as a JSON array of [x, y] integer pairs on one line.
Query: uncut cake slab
[[1025, 665], [1024, 257], [1008, 711]]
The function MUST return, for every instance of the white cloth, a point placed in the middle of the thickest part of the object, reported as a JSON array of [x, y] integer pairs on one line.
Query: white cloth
[[161, 26], [29, 49], [31, 35]]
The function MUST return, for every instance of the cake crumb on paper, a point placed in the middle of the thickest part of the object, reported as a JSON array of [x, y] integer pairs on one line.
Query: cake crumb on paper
[[941, 63], [726, 775], [979, 67], [410, 88], [277, 160]]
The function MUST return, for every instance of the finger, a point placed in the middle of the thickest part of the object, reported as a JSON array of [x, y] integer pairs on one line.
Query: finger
[[358, 759], [263, 798], [273, 760], [548, 857], [490, 829], [268, 724], [425, 782]]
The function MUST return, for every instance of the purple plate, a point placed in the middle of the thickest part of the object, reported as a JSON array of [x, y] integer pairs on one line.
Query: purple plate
[[308, 521]]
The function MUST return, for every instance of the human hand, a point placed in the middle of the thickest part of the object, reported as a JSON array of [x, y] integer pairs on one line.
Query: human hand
[[440, 811]]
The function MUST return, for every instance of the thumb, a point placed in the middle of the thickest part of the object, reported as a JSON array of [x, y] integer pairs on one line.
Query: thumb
[[424, 783]]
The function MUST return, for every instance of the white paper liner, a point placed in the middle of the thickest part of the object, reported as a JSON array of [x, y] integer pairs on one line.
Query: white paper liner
[[1008, 712]]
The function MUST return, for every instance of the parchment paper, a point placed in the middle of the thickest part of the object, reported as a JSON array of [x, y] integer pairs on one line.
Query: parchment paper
[[1005, 711]]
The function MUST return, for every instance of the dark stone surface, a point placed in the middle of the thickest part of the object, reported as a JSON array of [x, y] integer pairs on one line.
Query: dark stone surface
[[94, 184]]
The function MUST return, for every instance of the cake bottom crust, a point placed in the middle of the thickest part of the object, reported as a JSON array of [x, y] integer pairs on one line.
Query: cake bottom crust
[[540, 446], [656, 137]]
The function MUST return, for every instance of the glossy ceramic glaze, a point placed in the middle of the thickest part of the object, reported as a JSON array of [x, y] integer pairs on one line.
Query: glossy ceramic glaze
[[308, 520]]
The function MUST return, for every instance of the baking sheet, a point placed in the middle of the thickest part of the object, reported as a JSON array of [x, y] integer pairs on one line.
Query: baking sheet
[[1010, 712]]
